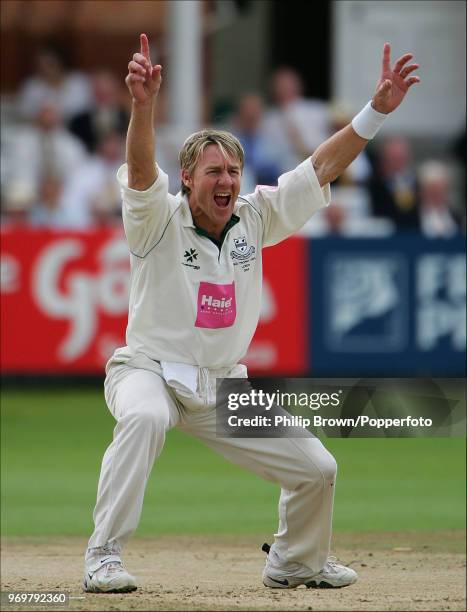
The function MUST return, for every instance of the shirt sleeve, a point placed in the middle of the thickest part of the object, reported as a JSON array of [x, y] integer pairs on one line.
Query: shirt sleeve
[[146, 213], [286, 208]]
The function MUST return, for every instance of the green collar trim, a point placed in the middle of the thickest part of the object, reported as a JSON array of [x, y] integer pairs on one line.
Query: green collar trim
[[230, 223]]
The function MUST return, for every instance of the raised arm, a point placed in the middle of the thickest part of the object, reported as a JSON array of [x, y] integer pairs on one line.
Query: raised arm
[[143, 81], [333, 156]]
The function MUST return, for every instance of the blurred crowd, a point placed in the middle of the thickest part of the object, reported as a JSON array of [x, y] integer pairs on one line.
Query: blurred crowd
[[64, 139]]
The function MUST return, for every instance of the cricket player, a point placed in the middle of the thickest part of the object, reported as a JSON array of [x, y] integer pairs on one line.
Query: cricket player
[[195, 299]]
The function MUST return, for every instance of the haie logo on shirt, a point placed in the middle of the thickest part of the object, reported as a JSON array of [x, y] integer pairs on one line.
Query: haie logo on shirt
[[216, 305]]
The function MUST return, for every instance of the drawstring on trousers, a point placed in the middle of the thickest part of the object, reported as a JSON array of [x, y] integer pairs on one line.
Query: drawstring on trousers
[[205, 386]]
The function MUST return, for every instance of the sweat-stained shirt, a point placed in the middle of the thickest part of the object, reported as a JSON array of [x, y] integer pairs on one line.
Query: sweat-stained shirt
[[191, 302]]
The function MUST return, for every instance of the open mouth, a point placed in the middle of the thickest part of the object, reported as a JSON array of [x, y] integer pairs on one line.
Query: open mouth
[[222, 199]]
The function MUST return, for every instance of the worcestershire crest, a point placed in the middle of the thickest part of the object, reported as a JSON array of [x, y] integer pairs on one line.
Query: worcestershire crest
[[242, 251]]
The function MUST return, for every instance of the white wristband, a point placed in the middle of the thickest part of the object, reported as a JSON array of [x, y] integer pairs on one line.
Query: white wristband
[[368, 121]]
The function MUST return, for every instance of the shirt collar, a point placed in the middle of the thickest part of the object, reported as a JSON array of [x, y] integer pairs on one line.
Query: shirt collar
[[187, 219]]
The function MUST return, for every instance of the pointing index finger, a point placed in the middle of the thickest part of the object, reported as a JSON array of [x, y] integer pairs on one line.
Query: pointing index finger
[[144, 42], [386, 57]]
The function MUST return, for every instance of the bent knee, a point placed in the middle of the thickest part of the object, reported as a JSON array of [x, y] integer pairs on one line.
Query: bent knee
[[328, 467], [148, 420], [321, 468]]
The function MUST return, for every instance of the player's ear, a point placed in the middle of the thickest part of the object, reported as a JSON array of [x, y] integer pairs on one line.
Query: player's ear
[[186, 178]]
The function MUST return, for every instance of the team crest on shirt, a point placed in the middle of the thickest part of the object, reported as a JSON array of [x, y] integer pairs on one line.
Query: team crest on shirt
[[242, 254]]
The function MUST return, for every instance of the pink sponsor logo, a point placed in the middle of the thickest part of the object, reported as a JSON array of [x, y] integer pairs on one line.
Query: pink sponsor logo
[[216, 305]]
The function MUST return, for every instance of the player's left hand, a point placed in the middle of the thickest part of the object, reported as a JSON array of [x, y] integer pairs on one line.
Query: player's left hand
[[393, 84]]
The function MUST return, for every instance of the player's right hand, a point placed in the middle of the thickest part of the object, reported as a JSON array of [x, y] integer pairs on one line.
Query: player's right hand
[[143, 79]]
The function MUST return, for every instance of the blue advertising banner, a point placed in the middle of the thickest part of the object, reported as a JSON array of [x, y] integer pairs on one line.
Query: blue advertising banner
[[387, 307]]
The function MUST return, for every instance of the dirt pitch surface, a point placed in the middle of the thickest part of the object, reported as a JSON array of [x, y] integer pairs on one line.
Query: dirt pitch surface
[[396, 572]]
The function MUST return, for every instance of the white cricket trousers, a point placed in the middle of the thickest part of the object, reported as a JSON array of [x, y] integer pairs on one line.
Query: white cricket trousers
[[145, 408]]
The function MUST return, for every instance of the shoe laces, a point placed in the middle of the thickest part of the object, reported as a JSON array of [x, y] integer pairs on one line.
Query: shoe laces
[[114, 567], [332, 564]]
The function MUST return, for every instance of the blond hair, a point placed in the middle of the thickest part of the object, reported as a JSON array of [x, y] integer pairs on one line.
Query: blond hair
[[195, 145]]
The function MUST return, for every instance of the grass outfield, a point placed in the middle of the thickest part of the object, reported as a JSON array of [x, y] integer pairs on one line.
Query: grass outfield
[[53, 442]]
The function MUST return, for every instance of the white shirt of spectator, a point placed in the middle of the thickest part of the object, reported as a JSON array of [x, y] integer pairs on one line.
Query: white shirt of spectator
[[307, 117], [83, 190], [437, 223], [26, 155], [189, 302], [72, 97]]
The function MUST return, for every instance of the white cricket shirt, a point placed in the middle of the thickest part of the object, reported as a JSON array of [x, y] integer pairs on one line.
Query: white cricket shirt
[[189, 301]]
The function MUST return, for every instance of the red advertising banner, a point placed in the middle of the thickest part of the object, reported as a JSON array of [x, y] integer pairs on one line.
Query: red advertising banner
[[64, 298], [280, 344]]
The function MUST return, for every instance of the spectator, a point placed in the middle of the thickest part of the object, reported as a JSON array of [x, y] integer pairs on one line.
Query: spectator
[[44, 149], [338, 220], [48, 211], [69, 91], [393, 188], [107, 114], [335, 216], [92, 192], [17, 201], [262, 164], [436, 217], [296, 125]]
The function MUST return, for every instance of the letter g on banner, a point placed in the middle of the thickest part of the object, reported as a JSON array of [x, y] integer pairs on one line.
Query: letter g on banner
[[97, 283], [75, 305]]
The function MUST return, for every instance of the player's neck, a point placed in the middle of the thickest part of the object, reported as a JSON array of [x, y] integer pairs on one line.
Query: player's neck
[[206, 225]]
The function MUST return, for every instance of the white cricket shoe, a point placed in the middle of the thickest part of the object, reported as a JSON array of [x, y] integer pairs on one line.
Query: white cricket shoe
[[280, 575], [104, 573]]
